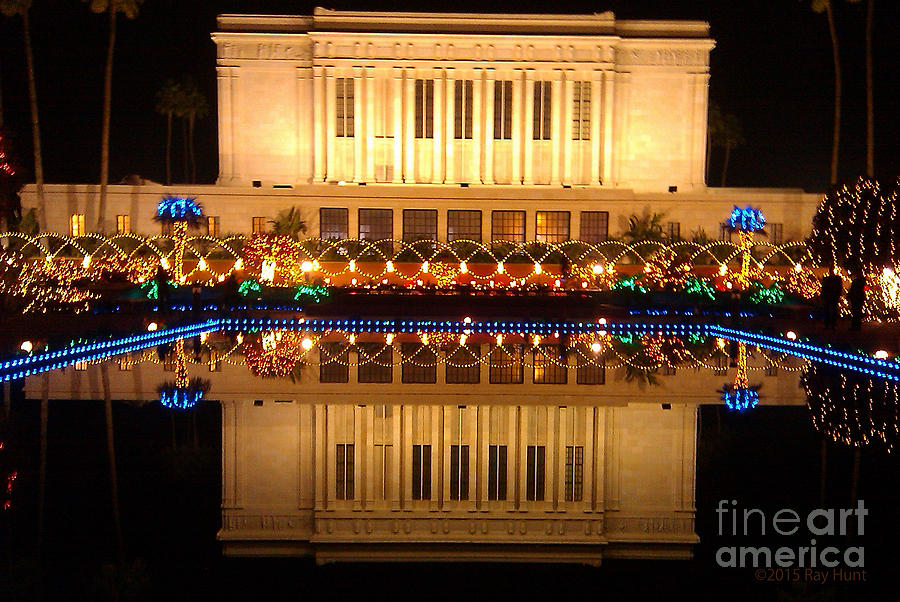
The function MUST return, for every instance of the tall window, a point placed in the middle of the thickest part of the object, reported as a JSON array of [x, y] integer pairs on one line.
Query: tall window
[[725, 231], [375, 363], [126, 362], [424, 108], [776, 233], [591, 368], [459, 472], [594, 226], [552, 226], [497, 472], [343, 468], [384, 108], [534, 468], [463, 224], [376, 224], [506, 364], [259, 225], [334, 363], [464, 365], [212, 225], [508, 226], [550, 366], [419, 363], [343, 107], [462, 111], [76, 224], [334, 223], [215, 360], [503, 110], [421, 472], [123, 224], [673, 231], [419, 224], [541, 116], [581, 111], [574, 473]]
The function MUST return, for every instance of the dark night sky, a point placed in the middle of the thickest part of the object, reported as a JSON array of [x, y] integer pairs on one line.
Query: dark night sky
[[771, 67]]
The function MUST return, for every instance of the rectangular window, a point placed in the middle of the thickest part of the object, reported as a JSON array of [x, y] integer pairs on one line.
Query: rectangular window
[[673, 231], [123, 224], [534, 467], [496, 472], [215, 360], [459, 472], [541, 116], [76, 224], [343, 107], [463, 224], [552, 226], [508, 226], [594, 226], [259, 225], [334, 363], [419, 224], [170, 361], [212, 226], [574, 473], [424, 108], [507, 364], [376, 224], [375, 363], [126, 361], [550, 365], [581, 111], [334, 223], [343, 468], [772, 370], [81, 366], [776, 233], [503, 110], [419, 363], [591, 368], [464, 365], [167, 229], [421, 472], [721, 364], [462, 111], [725, 232]]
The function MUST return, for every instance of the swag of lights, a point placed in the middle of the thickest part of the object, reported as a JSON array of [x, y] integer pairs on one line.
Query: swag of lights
[[210, 259]]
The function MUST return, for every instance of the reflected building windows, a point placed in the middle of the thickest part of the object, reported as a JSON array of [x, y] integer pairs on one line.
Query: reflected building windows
[[424, 108], [503, 110], [506, 364], [421, 472], [334, 223], [463, 224], [419, 224], [542, 99], [343, 107], [594, 226], [375, 363], [462, 113], [496, 472], [534, 478], [459, 472], [343, 467], [552, 226], [550, 365], [581, 111], [463, 365], [376, 224], [574, 483], [508, 226], [419, 363], [334, 363]]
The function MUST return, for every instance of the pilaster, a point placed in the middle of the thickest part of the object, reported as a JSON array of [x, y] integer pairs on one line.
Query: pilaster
[[475, 172], [397, 116], [369, 124], [360, 124], [518, 124], [449, 109], [489, 82], [331, 168], [528, 135], [557, 100], [319, 122]]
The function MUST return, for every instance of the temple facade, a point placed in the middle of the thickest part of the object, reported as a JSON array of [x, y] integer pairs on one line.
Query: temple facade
[[446, 126]]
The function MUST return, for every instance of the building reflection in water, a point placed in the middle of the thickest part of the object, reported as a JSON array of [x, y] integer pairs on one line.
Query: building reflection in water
[[370, 446]]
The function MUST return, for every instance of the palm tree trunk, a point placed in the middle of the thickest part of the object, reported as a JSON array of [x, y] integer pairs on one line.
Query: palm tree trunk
[[111, 451], [836, 134], [184, 149], [854, 477], [725, 164], [174, 436], [35, 126], [194, 428], [42, 471], [169, 149], [107, 109], [191, 148], [870, 101]]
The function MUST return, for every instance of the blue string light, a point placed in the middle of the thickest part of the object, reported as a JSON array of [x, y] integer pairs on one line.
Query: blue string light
[[746, 219], [176, 208]]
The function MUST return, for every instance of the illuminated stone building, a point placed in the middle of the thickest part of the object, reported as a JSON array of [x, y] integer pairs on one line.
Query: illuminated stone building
[[447, 126]]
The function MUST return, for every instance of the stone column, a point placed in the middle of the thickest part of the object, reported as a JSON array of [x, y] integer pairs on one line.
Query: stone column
[[449, 106], [565, 417], [437, 454], [397, 101], [589, 463], [301, 131], [368, 416], [331, 171], [474, 160], [518, 125], [551, 465], [597, 103], [404, 475], [522, 450], [318, 109], [470, 419], [226, 117], [487, 174], [319, 461], [557, 101], [608, 112], [528, 136], [515, 470], [360, 124], [359, 445], [398, 447], [369, 124], [437, 171], [484, 441], [699, 127], [620, 124], [330, 419], [409, 115], [449, 415]]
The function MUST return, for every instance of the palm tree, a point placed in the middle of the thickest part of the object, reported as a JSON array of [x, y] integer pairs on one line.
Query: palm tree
[[111, 452], [645, 227], [21, 8], [193, 106], [713, 131], [825, 6], [112, 7], [167, 103], [729, 136], [870, 102], [289, 222], [181, 213]]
